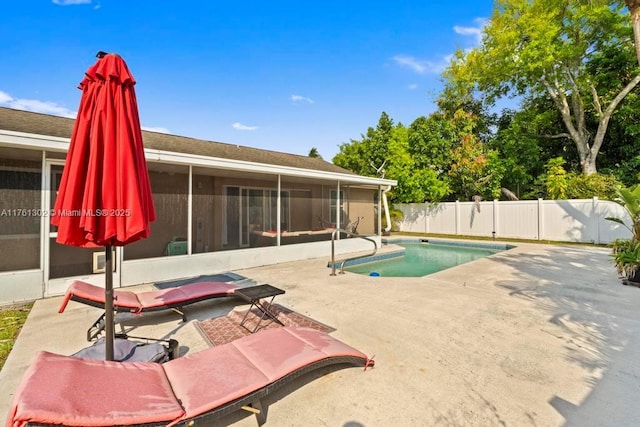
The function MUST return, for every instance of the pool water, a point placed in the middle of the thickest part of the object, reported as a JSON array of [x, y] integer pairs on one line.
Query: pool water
[[421, 259]]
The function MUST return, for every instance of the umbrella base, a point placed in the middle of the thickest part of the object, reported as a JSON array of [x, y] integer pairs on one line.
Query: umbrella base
[[125, 350]]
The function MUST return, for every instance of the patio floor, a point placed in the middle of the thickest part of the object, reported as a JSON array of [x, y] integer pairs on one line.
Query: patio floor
[[539, 335]]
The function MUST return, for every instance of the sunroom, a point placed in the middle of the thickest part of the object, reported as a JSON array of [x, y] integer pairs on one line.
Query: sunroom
[[219, 207]]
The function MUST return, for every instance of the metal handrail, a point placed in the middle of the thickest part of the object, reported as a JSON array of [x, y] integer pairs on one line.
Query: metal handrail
[[333, 249]]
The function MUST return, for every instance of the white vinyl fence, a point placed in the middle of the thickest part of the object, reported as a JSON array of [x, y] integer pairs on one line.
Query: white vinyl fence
[[557, 220]]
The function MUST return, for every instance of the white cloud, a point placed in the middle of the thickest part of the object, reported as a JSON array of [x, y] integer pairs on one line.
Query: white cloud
[[240, 126], [52, 108], [35, 106], [412, 86], [298, 99], [5, 98], [70, 2], [420, 66], [426, 66], [472, 31]]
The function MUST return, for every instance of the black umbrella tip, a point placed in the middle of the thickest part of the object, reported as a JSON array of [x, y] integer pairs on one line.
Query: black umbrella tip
[[101, 54]]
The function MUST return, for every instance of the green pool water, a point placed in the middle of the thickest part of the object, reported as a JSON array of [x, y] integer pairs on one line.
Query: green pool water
[[421, 259]]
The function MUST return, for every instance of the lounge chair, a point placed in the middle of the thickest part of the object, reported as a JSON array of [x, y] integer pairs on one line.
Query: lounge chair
[[138, 302], [193, 390]]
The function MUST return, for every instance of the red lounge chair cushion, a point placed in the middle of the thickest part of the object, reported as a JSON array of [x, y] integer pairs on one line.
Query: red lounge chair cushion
[[216, 376], [90, 292], [83, 392], [182, 294], [138, 302]]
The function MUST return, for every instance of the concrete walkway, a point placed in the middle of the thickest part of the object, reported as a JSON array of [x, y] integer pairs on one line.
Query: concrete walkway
[[538, 335]]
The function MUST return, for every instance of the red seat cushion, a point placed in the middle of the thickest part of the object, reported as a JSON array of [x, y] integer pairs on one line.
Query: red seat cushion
[[183, 294], [210, 378], [138, 302], [82, 392], [87, 291]]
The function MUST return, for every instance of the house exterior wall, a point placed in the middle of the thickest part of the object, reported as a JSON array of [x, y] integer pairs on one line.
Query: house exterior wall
[[34, 266], [360, 207]]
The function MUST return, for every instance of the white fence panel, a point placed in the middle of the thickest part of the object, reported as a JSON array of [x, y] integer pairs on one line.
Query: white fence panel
[[569, 221], [608, 230], [474, 222], [441, 216], [518, 220], [559, 220], [416, 215]]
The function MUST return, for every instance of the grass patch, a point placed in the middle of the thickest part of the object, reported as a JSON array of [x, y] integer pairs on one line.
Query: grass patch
[[11, 321]]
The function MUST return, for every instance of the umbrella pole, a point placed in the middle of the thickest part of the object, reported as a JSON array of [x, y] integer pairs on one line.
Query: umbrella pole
[[109, 325]]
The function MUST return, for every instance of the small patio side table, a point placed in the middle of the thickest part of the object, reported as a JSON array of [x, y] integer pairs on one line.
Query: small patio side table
[[255, 295]]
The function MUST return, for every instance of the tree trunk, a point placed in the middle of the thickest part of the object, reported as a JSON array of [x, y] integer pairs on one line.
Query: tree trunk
[[587, 153], [634, 10], [589, 164]]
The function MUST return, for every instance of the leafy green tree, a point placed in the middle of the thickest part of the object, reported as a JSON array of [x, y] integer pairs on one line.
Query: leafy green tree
[[430, 142], [561, 184], [354, 156], [379, 141], [542, 48], [386, 149], [620, 154], [365, 156], [519, 149], [453, 99], [556, 179], [416, 183], [314, 153], [475, 170]]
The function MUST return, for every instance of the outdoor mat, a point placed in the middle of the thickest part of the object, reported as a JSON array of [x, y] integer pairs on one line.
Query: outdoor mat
[[223, 329]]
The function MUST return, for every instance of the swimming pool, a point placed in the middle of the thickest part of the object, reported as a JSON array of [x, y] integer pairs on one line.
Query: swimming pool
[[420, 258]]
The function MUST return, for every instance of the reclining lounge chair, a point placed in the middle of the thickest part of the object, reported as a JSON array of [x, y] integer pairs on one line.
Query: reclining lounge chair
[[131, 302], [193, 390]]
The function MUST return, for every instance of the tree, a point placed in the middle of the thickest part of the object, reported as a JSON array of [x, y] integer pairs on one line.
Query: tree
[[620, 154], [314, 153], [430, 142], [379, 140], [531, 48], [475, 169], [389, 145], [519, 149], [634, 10], [561, 184], [365, 156], [354, 156], [416, 182]]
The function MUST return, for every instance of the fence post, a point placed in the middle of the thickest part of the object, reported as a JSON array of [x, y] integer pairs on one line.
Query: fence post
[[595, 220], [426, 217], [457, 217], [496, 218], [540, 219]]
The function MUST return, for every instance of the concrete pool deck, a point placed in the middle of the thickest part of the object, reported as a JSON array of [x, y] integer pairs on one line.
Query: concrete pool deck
[[538, 335]]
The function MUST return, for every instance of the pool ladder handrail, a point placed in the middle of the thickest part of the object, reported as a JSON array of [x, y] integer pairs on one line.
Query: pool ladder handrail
[[333, 249]]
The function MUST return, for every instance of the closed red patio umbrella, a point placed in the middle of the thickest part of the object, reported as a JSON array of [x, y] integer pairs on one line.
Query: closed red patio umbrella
[[104, 197]]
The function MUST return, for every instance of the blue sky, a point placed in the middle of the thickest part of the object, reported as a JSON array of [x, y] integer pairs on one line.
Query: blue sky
[[279, 75]]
